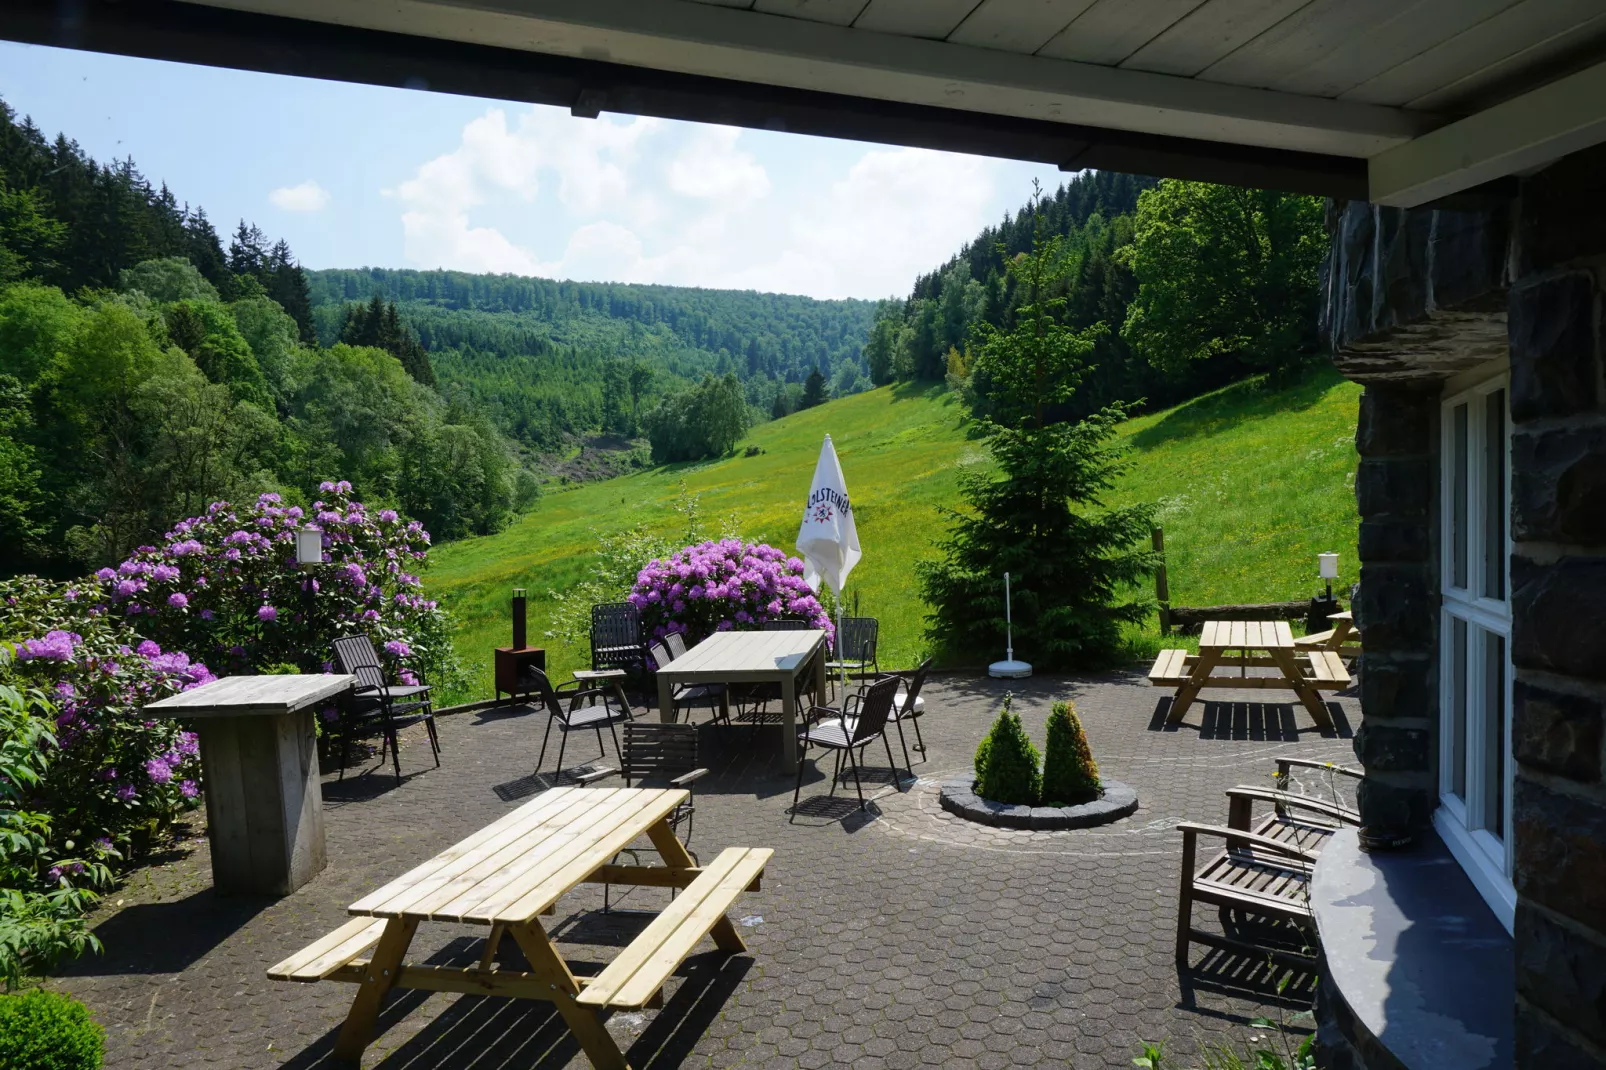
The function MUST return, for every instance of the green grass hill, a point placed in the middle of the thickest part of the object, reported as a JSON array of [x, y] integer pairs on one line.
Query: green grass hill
[[1251, 484]]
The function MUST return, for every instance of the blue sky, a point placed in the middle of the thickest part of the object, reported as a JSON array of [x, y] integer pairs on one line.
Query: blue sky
[[356, 176]]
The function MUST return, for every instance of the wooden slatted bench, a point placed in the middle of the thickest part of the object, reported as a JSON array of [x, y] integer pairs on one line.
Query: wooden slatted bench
[[1170, 669], [322, 958], [1255, 874], [633, 979], [1327, 670]]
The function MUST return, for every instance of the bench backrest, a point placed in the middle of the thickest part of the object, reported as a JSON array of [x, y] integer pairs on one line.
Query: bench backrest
[[657, 751]]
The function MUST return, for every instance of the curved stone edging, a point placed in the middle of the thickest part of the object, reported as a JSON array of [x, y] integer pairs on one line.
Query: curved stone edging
[[958, 797]]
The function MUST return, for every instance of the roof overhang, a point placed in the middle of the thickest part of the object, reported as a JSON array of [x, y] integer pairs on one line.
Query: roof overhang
[[709, 63]]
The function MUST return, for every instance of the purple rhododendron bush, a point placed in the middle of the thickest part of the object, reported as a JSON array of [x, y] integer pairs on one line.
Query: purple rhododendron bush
[[723, 585]]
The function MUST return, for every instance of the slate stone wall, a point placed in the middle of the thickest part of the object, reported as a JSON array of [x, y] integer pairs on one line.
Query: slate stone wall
[[1403, 294], [1558, 585]]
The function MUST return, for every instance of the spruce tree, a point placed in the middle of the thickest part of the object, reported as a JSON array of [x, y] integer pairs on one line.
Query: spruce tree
[[1006, 761], [813, 389], [1034, 517], [1070, 775]]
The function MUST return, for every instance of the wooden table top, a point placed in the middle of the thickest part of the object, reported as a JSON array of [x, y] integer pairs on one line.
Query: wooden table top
[[245, 696], [1245, 635], [1347, 614], [746, 656], [514, 868]]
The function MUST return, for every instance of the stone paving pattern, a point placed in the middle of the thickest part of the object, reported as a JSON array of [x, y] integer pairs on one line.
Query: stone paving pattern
[[901, 937]]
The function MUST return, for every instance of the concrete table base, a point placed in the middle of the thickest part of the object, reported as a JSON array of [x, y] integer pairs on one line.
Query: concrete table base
[[259, 766]]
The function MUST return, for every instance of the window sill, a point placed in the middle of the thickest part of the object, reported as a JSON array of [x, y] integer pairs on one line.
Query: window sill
[[1419, 966]]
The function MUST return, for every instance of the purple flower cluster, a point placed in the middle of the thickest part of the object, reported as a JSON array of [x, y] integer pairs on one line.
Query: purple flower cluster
[[55, 646], [721, 586]]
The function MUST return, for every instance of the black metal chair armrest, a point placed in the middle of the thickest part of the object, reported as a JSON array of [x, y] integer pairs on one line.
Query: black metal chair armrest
[[596, 774], [687, 778]]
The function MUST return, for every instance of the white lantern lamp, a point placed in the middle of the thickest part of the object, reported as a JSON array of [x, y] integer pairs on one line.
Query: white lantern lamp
[[309, 546], [1329, 569]]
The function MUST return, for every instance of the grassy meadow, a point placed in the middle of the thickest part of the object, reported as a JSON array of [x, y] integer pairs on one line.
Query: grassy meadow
[[1251, 484]]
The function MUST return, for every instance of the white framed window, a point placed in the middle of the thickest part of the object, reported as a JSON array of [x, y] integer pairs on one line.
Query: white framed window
[[1475, 764]]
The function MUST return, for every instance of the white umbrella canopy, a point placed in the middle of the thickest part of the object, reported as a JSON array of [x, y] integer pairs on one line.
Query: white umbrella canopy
[[827, 538]]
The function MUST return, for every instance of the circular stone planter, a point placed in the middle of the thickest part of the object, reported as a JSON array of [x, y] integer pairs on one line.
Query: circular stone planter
[[959, 797]]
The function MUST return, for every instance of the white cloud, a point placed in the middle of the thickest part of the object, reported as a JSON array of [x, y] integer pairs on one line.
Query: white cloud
[[307, 197], [604, 204]]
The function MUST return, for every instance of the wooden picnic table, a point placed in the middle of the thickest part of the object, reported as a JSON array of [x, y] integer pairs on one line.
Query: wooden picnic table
[[752, 657], [1241, 644], [1342, 637], [259, 761], [508, 874]]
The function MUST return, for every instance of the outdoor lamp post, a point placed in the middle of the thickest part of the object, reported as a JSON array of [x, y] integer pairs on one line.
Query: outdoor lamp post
[[309, 546], [1328, 563]]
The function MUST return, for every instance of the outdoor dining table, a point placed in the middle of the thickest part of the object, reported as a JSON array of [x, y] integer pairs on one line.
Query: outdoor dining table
[[1262, 644], [506, 876], [752, 657], [259, 761]]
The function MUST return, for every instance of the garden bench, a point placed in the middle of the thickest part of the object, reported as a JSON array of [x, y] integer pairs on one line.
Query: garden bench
[[1256, 874], [634, 979], [319, 960], [1170, 669]]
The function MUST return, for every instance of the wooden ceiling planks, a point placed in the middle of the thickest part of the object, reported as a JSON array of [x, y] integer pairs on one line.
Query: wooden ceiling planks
[[1017, 25], [1111, 30], [834, 12], [1208, 33], [934, 19]]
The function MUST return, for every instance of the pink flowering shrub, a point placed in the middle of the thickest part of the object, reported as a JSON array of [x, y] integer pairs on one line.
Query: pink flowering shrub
[[720, 586], [226, 587]]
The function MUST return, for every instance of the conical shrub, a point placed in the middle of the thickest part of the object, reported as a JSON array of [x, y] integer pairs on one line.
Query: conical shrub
[[1070, 775], [1006, 761]]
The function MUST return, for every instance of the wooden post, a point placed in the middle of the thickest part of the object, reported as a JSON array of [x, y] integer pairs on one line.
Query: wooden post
[[1162, 590]]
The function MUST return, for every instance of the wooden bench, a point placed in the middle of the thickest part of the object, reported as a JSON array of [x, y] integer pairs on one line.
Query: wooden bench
[[325, 956], [1255, 874], [633, 979], [1170, 669], [1327, 670]]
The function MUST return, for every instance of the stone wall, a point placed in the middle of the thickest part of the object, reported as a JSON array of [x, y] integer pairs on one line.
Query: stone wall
[[1558, 581]]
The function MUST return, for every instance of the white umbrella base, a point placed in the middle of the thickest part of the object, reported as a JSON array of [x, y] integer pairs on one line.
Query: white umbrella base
[[1009, 670]]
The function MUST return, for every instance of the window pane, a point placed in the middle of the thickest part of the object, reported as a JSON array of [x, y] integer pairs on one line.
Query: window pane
[[1458, 497], [1494, 500], [1494, 734], [1457, 668]]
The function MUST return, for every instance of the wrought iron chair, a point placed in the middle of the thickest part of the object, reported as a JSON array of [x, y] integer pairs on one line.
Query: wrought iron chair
[[861, 721], [692, 696], [909, 706], [617, 638], [785, 624], [854, 649], [588, 708], [662, 756], [391, 707], [753, 703]]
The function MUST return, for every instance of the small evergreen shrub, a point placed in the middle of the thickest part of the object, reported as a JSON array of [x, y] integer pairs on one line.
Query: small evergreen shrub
[[42, 1030], [1006, 761], [1070, 775]]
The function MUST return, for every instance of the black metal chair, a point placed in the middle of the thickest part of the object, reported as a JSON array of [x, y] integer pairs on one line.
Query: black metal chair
[[861, 721], [589, 707], [692, 696], [391, 707], [617, 638], [657, 755], [785, 624], [855, 646], [909, 706]]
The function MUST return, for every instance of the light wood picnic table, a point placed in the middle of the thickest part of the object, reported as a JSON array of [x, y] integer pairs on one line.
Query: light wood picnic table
[[1342, 637], [508, 874], [1246, 643], [752, 657]]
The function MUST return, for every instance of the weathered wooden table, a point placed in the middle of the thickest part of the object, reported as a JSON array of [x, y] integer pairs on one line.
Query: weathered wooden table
[[1259, 643], [259, 763], [508, 874], [752, 657]]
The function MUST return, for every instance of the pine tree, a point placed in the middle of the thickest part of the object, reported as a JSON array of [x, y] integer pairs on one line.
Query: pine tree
[[1006, 761], [1070, 775], [246, 252], [814, 389]]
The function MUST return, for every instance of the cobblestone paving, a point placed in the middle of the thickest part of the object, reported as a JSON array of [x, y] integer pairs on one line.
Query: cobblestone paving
[[900, 937]]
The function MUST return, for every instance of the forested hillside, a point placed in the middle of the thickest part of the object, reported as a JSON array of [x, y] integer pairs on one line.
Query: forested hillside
[[145, 371], [552, 360]]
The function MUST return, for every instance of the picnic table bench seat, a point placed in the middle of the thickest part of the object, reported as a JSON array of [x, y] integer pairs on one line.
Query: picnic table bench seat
[[322, 958], [633, 979], [1170, 669], [1327, 670]]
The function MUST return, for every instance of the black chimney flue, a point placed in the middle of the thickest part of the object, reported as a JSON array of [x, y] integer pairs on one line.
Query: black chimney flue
[[518, 618]]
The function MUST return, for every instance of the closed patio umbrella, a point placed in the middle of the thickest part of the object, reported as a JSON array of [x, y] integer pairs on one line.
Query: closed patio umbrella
[[827, 538]]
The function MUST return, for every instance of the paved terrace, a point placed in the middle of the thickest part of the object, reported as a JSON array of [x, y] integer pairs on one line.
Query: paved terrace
[[901, 938]]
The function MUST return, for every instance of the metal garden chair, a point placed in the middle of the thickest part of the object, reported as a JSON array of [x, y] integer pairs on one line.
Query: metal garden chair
[[587, 708], [617, 638], [692, 696], [909, 706], [374, 702], [854, 649], [861, 721]]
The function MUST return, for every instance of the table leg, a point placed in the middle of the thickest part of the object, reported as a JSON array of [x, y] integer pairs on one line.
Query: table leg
[[789, 723], [666, 701], [624, 702], [1288, 665], [674, 854], [584, 1022], [1209, 658], [820, 682], [380, 976]]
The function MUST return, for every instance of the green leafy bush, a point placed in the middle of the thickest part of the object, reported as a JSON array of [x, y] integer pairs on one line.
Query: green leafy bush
[[1006, 761], [42, 1030], [1070, 775]]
